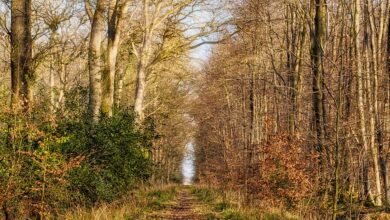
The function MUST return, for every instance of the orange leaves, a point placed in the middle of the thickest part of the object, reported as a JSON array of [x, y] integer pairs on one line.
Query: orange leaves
[[284, 167]]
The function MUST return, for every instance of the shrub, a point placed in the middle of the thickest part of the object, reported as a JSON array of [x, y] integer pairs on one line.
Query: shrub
[[117, 157], [33, 170], [285, 168], [48, 167]]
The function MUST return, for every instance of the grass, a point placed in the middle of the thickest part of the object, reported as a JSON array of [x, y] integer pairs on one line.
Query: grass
[[278, 215], [227, 205], [214, 204], [135, 206], [160, 198], [204, 195], [221, 206]]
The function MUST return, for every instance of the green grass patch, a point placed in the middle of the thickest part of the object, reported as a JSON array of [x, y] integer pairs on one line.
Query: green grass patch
[[211, 216], [278, 216], [162, 195], [221, 206], [224, 205], [156, 205], [214, 205], [205, 195], [161, 198], [231, 214]]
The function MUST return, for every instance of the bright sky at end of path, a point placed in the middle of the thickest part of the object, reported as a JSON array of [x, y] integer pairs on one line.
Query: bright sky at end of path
[[188, 166]]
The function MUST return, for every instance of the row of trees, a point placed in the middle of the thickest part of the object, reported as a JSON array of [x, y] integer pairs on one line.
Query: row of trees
[[308, 77], [156, 35], [94, 98]]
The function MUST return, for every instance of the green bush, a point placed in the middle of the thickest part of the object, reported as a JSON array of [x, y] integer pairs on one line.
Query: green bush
[[51, 166], [33, 170], [116, 157]]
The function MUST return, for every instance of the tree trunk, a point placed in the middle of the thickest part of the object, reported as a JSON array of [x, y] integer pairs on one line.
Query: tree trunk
[[140, 91], [383, 156], [373, 149], [60, 104], [51, 71], [316, 59], [94, 60], [115, 14], [142, 66], [118, 89], [373, 97], [21, 54], [360, 94], [52, 88]]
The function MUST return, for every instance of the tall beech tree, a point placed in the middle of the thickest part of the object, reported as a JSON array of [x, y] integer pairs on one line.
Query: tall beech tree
[[22, 76], [115, 18], [95, 64], [317, 56]]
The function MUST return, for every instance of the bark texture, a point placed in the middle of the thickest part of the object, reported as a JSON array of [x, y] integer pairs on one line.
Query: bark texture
[[94, 60], [21, 54]]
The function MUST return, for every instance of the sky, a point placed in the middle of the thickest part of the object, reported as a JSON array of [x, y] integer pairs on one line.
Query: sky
[[206, 18], [188, 166]]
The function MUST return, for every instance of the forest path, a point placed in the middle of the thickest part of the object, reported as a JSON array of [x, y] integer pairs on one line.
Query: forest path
[[185, 207]]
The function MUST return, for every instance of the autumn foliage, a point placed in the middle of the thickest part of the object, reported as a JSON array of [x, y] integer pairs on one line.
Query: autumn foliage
[[285, 171]]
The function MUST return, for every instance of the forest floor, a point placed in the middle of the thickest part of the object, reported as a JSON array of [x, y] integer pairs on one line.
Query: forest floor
[[175, 202], [185, 207]]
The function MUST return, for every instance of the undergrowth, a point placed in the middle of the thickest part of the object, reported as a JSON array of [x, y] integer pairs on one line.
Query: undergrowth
[[219, 204], [134, 206]]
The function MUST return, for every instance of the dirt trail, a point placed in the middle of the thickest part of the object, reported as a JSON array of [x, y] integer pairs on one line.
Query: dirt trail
[[183, 209]]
